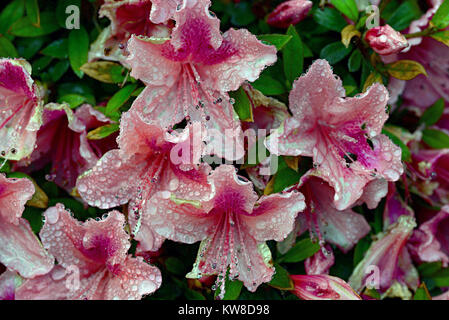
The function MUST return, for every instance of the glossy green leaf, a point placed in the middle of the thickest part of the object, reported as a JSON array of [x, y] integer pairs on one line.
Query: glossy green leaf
[[293, 55], [348, 8], [24, 27], [119, 98], [441, 17], [57, 49], [335, 52], [278, 40], [242, 105], [435, 139], [433, 114], [355, 61], [330, 19], [7, 49], [32, 10], [422, 293], [281, 279], [269, 86], [404, 15], [78, 49], [10, 14], [301, 251]]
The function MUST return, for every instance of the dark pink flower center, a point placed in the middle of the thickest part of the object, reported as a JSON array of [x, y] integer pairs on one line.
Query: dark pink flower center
[[134, 18], [99, 249]]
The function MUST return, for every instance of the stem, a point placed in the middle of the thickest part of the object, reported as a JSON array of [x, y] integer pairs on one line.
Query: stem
[[427, 32]]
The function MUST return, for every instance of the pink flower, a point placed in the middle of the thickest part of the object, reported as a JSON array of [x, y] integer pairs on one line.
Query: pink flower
[[20, 109], [322, 287], [190, 75], [343, 135], [232, 225], [387, 262], [289, 13], [320, 262], [343, 228], [149, 160], [385, 40], [148, 18], [395, 207], [93, 261], [20, 251], [429, 242], [62, 140]]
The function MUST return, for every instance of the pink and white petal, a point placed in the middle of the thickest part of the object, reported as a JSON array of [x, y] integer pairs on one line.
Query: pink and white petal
[[177, 219], [147, 238], [21, 250], [9, 281], [429, 243], [163, 10], [112, 182], [291, 139], [395, 207], [389, 164], [251, 57], [320, 262], [274, 216], [90, 117], [314, 92], [149, 65], [136, 279], [373, 193], [193, 18], [14, 193]]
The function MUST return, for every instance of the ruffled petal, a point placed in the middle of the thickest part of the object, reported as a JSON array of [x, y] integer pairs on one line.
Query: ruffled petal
[[14, 193], [320, 262]]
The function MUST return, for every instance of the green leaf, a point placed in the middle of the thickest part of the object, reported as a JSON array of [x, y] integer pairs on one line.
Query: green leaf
[[436, 139], [40, 64], [57, 49], [404, 15], [176, 266], [269, 86], [405, 69], [433, 114], [293, 55], [241, 14], [103, 131], [105, 71], [406, 154], [24, 27], [7, 49], [335, 52], [32, 9], [301, 251], [28, 47], [441, 17], [72, 99], [442, 36], [428, 269], [119, 99], [10, 14], [34, 217], [232, 289], [78, 49], [355, 61], [422, 293], [55, 71], [361, 248], [79, 88], [278, 40], [330, 19], [348, 8], [281, 279], [242, 105]]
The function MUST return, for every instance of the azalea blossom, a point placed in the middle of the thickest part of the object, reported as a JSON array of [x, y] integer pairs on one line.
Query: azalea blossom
[[320, 262], [20, 251], [385, 40], [93, 261], [289, 13], [189, 75], [149, 18], [20, 109], [62, 140], [149, 159], [343, 135], [387, 265], [233, 226], [429, 242], [322, 287]]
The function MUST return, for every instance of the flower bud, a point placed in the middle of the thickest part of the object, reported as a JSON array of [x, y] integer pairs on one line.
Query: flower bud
[[322, 287], [385, 40], [289, 12]]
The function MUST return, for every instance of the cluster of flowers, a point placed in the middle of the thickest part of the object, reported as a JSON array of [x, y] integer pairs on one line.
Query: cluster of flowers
[[166, 191]]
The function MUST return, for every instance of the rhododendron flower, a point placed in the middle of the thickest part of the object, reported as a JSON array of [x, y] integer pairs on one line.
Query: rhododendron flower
[[385, 40], [233, 227], [320, 262], [20, 249], [322, 287], [62, 140], [93, 261], [429, 242], [148, 18], [190, 75], [343, 135], [395, 207], [149, 159], [289, 13], [20, 109], [387, 263], [344, 228]]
